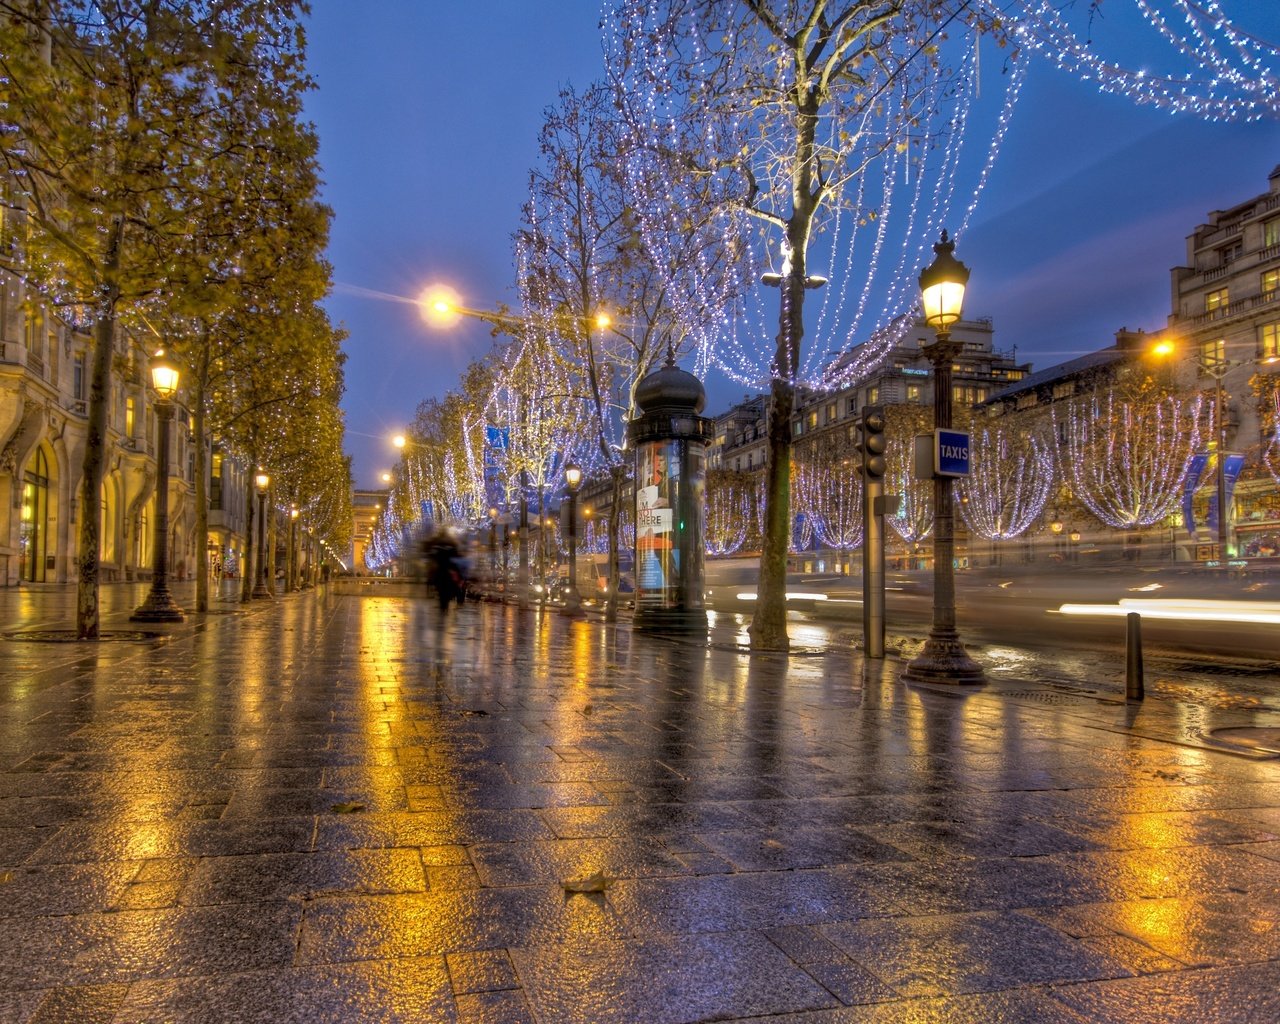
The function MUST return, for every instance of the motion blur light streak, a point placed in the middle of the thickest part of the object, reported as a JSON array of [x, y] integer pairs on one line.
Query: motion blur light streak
[[1186, 609]]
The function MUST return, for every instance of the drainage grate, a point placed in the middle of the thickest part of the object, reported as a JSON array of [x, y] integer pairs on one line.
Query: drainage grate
[[1042, 697]]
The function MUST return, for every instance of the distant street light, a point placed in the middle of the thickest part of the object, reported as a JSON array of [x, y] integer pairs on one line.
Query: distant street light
[[572, 481], [943, 659], [159, 605], [262, 481]]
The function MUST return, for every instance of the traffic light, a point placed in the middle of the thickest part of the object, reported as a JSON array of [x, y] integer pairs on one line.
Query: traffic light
[[871, 441]]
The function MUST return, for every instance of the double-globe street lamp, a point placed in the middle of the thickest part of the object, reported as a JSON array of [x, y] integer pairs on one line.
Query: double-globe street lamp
[[262, 481], [159, 605], [943, 659]]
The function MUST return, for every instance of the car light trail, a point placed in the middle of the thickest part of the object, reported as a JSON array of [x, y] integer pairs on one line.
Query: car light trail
[[1188, 610]]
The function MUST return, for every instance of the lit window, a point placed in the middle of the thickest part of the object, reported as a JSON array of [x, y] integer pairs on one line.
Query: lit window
[[1269, 340], [1213, 352], [913, 392], [1215, 300], [1271, 232], [129, 412], [813, 419], [873, 396], [831, 411], [1270, 281]]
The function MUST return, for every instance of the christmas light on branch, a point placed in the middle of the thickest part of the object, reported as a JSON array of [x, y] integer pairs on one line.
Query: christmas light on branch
[[1011, 477], [1126, 452]]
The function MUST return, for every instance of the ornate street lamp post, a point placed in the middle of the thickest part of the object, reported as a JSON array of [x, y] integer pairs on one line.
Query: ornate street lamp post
[[943, 659], [159, 605], [572, 481], [262, 482]]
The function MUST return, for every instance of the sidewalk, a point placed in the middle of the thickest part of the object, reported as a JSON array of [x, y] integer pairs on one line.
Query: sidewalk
[[342, 809]]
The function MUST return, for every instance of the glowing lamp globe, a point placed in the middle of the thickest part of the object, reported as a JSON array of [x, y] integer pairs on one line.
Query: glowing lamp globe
[[164, 376], [942, 286]]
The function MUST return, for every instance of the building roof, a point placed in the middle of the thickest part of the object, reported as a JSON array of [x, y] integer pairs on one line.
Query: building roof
[[1062, 371]]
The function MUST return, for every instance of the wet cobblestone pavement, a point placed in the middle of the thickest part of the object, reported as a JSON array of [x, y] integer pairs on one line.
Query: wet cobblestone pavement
[[348, 809]]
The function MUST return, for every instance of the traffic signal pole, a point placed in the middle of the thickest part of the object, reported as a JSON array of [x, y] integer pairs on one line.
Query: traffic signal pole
[[871, 444]]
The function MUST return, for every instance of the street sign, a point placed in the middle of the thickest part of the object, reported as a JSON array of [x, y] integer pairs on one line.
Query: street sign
[[951, 453]]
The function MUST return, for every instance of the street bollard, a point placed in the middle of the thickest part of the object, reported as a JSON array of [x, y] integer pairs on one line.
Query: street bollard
[[1133, 688]]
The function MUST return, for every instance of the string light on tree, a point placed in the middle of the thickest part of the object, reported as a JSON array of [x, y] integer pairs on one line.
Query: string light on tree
[[1126, 455], [1010, 479]]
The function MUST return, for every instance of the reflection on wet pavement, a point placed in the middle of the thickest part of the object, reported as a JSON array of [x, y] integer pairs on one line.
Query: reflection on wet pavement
[[341, 809]]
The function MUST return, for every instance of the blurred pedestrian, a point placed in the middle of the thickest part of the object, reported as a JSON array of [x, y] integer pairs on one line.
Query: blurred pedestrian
[[444, 571]]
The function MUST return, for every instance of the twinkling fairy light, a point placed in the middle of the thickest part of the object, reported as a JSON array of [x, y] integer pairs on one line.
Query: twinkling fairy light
[[1213, 70], [1126, 454], [907, 146], [828, 491], [1271, 435], [726, 524], [1011, 476], [923, 149], [914, 519]]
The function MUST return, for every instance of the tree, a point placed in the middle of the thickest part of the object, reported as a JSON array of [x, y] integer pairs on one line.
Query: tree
[[105, 104], [1011, 477], [731, 510], [1128, 447], [589, 280], [829, 489], [914, 518], [775, 114]]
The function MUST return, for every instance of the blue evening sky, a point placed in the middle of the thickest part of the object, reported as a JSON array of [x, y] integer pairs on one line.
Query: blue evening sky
[[428, 113]]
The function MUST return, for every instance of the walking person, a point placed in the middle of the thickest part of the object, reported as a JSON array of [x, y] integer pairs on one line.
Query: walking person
[[444, 572]]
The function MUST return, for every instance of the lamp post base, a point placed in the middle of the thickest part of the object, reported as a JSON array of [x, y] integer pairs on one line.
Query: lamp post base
[[158, 608], [943, 660], [260, 590]]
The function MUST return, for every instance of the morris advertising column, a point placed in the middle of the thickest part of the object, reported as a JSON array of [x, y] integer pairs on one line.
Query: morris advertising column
[[670, 443]]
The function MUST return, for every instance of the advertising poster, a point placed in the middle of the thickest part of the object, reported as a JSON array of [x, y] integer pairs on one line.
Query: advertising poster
[[657, 558]]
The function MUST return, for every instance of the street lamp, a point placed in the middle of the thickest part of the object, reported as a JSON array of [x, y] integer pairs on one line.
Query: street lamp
[[572, 481], [159, 605], [291, 568], [262, 481], [943, 659]]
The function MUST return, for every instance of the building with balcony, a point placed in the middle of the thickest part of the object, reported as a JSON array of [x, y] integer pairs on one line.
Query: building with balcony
[[1224, 325]]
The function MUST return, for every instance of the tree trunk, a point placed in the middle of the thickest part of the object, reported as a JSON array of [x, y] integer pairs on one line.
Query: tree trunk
[[248, 563], [769, 623], [95, 449], [199, 382], [618, 473]]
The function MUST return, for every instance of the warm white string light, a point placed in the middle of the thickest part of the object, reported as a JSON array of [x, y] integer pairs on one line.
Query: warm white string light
[[1010, 479]]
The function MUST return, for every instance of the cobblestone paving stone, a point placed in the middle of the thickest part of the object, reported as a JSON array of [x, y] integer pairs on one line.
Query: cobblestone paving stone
[[333, 808]]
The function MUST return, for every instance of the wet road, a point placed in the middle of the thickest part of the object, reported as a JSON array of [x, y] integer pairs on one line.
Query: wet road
[[347, 809]]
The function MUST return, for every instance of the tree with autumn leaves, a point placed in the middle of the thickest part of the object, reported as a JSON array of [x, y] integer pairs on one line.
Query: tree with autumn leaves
[[141, 136]]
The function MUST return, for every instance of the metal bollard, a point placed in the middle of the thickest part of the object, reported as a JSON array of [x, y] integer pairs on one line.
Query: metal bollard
[[1133, 686]]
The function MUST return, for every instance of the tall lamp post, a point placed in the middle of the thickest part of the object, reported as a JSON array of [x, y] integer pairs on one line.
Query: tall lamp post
[[943, 659], [159, 605], [572, 481], [291, 561], [262, 482]]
